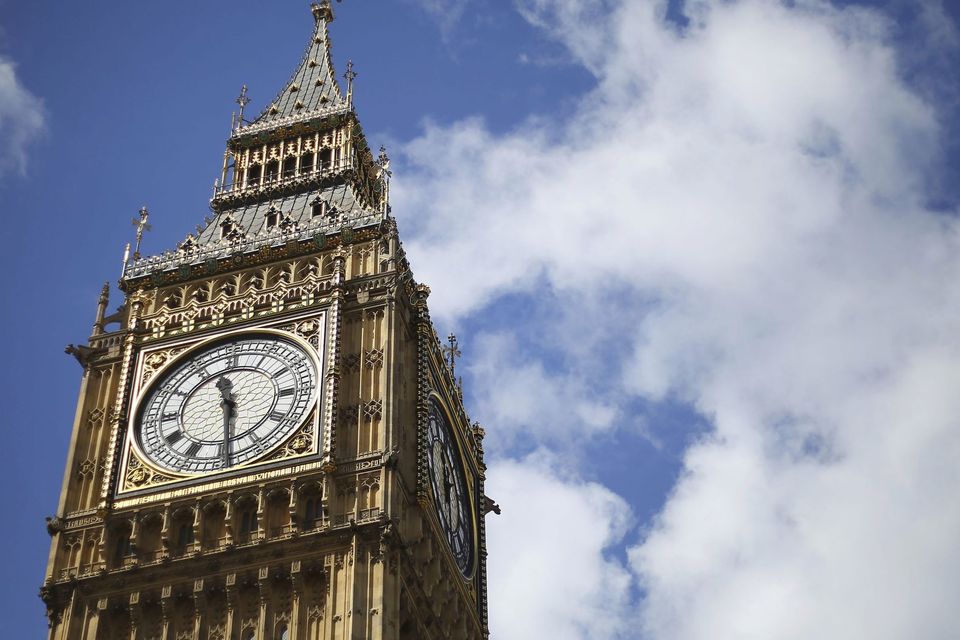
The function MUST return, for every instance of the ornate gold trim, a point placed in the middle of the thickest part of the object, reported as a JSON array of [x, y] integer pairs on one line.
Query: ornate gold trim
[[138, 473]]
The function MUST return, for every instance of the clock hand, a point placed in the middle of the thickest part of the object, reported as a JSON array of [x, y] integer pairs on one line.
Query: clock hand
[[228, 404], [447, 482]]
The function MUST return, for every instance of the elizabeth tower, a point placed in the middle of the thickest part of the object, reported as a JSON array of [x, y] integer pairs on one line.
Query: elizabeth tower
[[270, 441]]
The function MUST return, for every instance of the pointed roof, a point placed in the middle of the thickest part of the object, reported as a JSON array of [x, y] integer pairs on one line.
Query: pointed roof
[[350, 196], [312, 89]]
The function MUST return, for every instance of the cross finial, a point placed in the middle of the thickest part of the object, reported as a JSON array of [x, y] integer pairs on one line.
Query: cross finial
[[142, 226], [243, 100], [384, 161], [452, 351], [350, 75], [322, 11]]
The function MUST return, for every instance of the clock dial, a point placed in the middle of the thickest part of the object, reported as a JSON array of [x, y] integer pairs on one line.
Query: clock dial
[[449, 485], [227, 404]]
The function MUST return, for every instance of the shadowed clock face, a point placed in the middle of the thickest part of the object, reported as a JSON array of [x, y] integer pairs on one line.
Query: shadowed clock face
[[450, 488], [227, 404]]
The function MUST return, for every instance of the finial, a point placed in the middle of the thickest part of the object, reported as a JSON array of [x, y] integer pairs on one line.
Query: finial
[[102, 303], [142, 226], [322, 11], [243, 100], [350, 75], [452, 352], [126, 259], [383, 160]]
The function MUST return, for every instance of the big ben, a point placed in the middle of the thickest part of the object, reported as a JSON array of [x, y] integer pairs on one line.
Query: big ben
[[270, 441]]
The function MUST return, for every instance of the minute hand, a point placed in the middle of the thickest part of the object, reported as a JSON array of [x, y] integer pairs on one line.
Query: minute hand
[[228, 405]]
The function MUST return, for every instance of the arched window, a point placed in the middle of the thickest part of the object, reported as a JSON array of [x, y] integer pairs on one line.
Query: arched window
[[121, 548], [249, 634], [184, 534], [310, 513], [150, 542], [214, 525], [283, 633]]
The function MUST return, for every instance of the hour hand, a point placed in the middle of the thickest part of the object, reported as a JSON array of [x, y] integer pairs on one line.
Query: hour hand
[[226, 392]]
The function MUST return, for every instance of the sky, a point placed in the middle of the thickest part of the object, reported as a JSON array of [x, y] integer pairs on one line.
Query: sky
[[701, 257]]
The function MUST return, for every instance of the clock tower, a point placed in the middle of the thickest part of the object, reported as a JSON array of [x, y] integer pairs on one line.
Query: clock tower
[[270, 441]]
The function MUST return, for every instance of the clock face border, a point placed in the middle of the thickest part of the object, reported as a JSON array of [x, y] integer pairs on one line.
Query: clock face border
[[315, 416], [469, 482], [302, 379]]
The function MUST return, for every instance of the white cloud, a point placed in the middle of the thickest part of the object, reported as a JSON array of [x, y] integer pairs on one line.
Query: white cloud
[[446, 13], [741, 203], [529, 404], [21, 119], [548, 554]]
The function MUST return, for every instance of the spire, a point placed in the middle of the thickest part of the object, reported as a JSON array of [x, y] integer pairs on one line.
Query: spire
[[300, 170], [313, 87]]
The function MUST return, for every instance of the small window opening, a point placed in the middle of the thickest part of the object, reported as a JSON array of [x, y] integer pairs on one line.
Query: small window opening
[[185, 534], [253, 175], [273, 167], [246, 521], [325, 156], [272, 218], [228, 178], [319, 208], [306, 163], [122, 548], [226, 229], [289, 167]]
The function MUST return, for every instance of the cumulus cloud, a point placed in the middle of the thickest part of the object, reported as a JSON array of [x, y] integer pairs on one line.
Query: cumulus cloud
[[554, 580], [21, 119], [741, 204]]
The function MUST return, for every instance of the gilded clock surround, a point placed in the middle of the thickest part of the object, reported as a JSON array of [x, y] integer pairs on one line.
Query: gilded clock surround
[[141, 474], [335, 533]]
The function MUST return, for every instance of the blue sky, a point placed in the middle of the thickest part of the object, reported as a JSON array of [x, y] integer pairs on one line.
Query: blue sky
[[702, 259]]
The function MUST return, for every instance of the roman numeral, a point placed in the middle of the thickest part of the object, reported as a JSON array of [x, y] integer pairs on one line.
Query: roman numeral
[[286, 392], [276, 415], [174, 437], [169, 416], [194, 448]]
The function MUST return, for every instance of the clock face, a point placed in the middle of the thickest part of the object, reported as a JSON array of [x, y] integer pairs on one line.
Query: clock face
[[227, 404], [450, 488]]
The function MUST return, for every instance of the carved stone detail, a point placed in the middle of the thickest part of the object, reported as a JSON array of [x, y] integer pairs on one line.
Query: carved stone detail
[[155, 360], [138, 475], [301, 443]]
